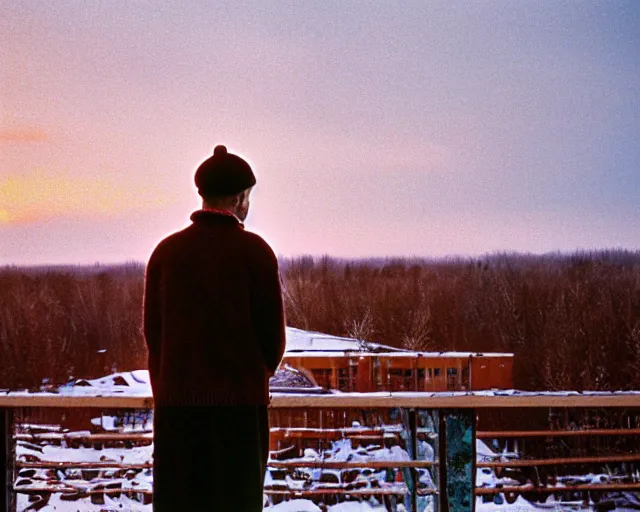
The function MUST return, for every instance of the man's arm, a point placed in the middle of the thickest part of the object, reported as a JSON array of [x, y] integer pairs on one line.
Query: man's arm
[[152, 322], [267, 307]]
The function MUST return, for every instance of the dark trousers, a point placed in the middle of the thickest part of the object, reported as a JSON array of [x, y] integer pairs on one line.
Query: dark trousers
[[209, 458]]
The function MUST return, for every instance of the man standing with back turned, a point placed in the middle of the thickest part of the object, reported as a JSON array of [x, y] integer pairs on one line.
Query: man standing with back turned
[[215, 330]]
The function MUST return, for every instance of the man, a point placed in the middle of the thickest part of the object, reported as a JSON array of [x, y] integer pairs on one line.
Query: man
[[215, 330]]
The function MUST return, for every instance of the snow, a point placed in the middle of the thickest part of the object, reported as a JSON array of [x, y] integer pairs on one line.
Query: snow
[[105, 422], [56, 504], [135, 383], [309, 506], [142, 480], [482, 450], [37, 427], [297, 505], [293, 380], [520, 505], [310, 344], [50, 453], [299, 340], [294, 506], [341, 450], [355, 506]]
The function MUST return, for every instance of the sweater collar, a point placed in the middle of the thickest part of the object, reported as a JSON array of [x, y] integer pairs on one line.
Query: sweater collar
[[210, 216]]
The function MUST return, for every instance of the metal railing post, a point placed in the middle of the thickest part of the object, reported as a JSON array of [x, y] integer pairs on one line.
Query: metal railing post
[[6, 460], [413, 426], [457, 460], [443, 501]]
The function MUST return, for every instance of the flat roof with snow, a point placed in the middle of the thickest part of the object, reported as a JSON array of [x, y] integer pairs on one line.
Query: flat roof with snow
[[316, 344]]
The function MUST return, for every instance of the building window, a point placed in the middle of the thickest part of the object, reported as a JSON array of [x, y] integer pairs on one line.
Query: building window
[[378, 381], [465, 378], [395, 378], [407, 383], [452, 378], [347, 377], [402, 379], [322, 377], [343, 379]]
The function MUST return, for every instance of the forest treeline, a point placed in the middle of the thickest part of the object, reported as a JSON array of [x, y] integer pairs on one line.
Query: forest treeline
[[573, 321]]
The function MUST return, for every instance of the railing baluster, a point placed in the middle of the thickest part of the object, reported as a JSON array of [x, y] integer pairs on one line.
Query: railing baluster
[[413, 433], [4, 462], [7, 502]]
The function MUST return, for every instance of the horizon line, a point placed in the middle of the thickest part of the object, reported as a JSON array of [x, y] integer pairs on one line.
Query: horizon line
[[378, 259]]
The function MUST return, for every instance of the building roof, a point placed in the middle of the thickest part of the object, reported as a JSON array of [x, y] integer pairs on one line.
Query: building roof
[[310, 344], [299, 340]]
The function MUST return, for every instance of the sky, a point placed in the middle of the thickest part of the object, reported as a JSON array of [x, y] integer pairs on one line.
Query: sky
[[412, 128]]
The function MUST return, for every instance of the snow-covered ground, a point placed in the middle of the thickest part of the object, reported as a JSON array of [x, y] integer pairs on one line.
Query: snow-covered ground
[[309, 506], [139, 480], [142, 480]]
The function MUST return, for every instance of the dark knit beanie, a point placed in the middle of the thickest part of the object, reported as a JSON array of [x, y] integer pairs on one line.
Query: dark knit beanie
[[223, 174]]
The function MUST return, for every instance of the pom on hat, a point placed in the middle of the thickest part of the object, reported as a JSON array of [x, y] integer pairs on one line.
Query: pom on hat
[[223, 174]]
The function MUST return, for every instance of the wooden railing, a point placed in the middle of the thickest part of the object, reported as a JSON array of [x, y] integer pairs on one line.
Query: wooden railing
[[454, 487]]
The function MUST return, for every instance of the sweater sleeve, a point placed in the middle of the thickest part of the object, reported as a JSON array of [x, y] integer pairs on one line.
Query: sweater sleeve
[[267, 307], [152, 321]]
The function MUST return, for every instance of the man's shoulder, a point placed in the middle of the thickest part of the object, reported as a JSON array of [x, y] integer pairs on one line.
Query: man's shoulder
[[169, 243], [257, 244], [247, 242]]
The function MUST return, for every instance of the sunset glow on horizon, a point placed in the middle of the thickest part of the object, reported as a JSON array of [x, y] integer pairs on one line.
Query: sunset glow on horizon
[[29, 198], [384, 129]]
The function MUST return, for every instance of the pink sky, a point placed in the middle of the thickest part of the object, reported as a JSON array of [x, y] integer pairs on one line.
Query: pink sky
[[374, 129]]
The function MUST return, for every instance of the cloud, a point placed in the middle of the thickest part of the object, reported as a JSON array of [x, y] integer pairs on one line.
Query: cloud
[[24, 134], [40, 196]]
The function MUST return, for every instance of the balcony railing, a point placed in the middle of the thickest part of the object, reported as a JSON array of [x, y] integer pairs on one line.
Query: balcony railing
[[418, 449]]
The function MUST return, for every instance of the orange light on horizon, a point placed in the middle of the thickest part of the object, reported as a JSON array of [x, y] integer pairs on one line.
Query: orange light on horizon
[[40, 196], [24, 134], [5, 218]]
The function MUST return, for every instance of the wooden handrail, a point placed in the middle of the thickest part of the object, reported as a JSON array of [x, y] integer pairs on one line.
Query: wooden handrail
[[350, 492], [531, 487], [69, 489], [355, 492], [334, 464], [380, 430], [461, 400], [21, 400], [125, 436], [301, 434], [47, 464], [557, 461], [503, 434]]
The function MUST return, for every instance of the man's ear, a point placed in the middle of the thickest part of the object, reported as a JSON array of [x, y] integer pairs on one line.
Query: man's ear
[[244, 197]]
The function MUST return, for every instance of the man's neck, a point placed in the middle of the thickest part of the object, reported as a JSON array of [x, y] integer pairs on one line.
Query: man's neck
[[220, 210]]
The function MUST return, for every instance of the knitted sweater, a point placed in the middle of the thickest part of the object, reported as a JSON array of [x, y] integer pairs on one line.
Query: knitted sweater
[[213, 315]]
